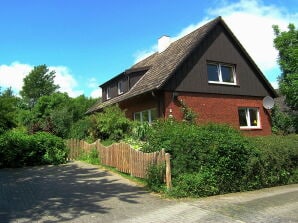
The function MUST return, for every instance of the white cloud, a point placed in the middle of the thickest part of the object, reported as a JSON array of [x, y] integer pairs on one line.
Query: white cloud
[[251, 22], [142, 54], [12, 76], [66, 81], [96, 93], [92, 82], [274, 84]]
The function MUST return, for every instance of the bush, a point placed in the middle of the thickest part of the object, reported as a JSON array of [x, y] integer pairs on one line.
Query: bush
[[193, 147], [54, 148], [217, 159], [13, 147], [199, 184], [140, 130], [277, 163], [155, 177], [282, 122], [80, 129], [111, 124], [91, 157], [19, 149]]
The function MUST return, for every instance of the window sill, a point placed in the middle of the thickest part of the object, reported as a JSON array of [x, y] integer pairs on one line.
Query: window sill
[[250, 128], [223, 83]]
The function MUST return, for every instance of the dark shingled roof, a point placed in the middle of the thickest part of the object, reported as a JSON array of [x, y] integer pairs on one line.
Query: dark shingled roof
[[163, 65]]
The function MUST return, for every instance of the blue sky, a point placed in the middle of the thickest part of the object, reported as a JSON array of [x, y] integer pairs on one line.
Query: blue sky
[[89, 41]]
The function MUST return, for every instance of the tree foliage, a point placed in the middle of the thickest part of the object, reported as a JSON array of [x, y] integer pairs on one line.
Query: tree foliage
[[286, 43], [8, 108], [56, 114], [282, 122], [39, 82], [111, 123]]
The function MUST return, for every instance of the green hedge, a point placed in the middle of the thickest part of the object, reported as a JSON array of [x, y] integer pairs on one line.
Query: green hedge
[[216, 159], [20, 149], [278, 160]]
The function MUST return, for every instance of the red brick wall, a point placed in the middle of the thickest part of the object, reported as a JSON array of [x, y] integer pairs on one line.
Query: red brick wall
[[139, 103], [219, 109]]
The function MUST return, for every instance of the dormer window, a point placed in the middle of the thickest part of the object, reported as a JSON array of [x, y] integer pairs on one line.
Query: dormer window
[[108, 93], [120, 87], [220, 73]]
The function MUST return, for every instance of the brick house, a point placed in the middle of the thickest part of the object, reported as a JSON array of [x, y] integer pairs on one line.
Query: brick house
[[207, 70]]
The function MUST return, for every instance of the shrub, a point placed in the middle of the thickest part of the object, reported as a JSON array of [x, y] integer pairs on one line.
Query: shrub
[[91, 157], [199, 184], [215, 159], [15, 149], [193, 147], [111, 124], [19, 149], [140, 130], [282, 122], [155, 177], [53, 147], [80, 129], [277, 163]]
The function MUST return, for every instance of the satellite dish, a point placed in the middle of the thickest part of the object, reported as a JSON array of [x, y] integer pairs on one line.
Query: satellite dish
[[268, 102]]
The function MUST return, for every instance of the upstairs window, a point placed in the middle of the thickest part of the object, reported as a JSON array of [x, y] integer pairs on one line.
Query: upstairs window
[[219, 73], [249, 118], [120, 87], [108, 93]]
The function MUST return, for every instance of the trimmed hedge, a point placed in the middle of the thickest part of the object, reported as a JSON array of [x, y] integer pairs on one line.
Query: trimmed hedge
[[278, 160], [19, 149], [216, 159]]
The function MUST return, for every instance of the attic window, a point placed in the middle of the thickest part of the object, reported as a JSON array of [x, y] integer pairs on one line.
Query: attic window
[[120, 87], [219, 73], [108, 93]]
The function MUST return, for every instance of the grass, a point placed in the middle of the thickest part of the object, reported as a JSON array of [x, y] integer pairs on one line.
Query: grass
[[137, 180], [92, 158]]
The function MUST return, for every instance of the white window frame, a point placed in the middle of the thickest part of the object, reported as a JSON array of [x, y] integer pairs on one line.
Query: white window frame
[[141, 115], [119, 85], [220, 81], [247, 116], [108, 93]]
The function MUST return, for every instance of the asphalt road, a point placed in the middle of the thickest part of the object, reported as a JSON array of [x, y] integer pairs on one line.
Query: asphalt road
[[79, 192]]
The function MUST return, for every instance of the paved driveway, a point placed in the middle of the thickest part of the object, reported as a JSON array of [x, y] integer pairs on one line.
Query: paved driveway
[[79, 192]]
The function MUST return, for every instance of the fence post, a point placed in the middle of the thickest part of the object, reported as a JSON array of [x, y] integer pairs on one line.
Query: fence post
[[168, 171]]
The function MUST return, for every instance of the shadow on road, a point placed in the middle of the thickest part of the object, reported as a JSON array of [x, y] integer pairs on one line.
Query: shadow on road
[[60, 193]]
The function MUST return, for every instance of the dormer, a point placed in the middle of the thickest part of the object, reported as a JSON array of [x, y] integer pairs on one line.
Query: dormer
[[122, 83]]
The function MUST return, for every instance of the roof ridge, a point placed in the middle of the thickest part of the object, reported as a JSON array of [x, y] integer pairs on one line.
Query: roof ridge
[[210, 25], [217, 19]]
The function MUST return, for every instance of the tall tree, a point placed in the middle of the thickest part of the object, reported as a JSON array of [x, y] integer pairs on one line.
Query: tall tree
[[8, 106], [287, 45], [39, 82]]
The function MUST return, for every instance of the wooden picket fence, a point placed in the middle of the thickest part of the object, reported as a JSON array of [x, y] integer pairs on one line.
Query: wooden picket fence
[[122, 157]]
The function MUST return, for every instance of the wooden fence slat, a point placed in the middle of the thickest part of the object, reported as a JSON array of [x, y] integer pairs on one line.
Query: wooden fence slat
[[122, 157]]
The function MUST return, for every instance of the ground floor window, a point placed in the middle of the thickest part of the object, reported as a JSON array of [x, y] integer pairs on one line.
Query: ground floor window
[[146, 116], [249, 117]]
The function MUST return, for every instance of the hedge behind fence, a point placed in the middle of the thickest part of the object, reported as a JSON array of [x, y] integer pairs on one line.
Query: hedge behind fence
[[216, 159]]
